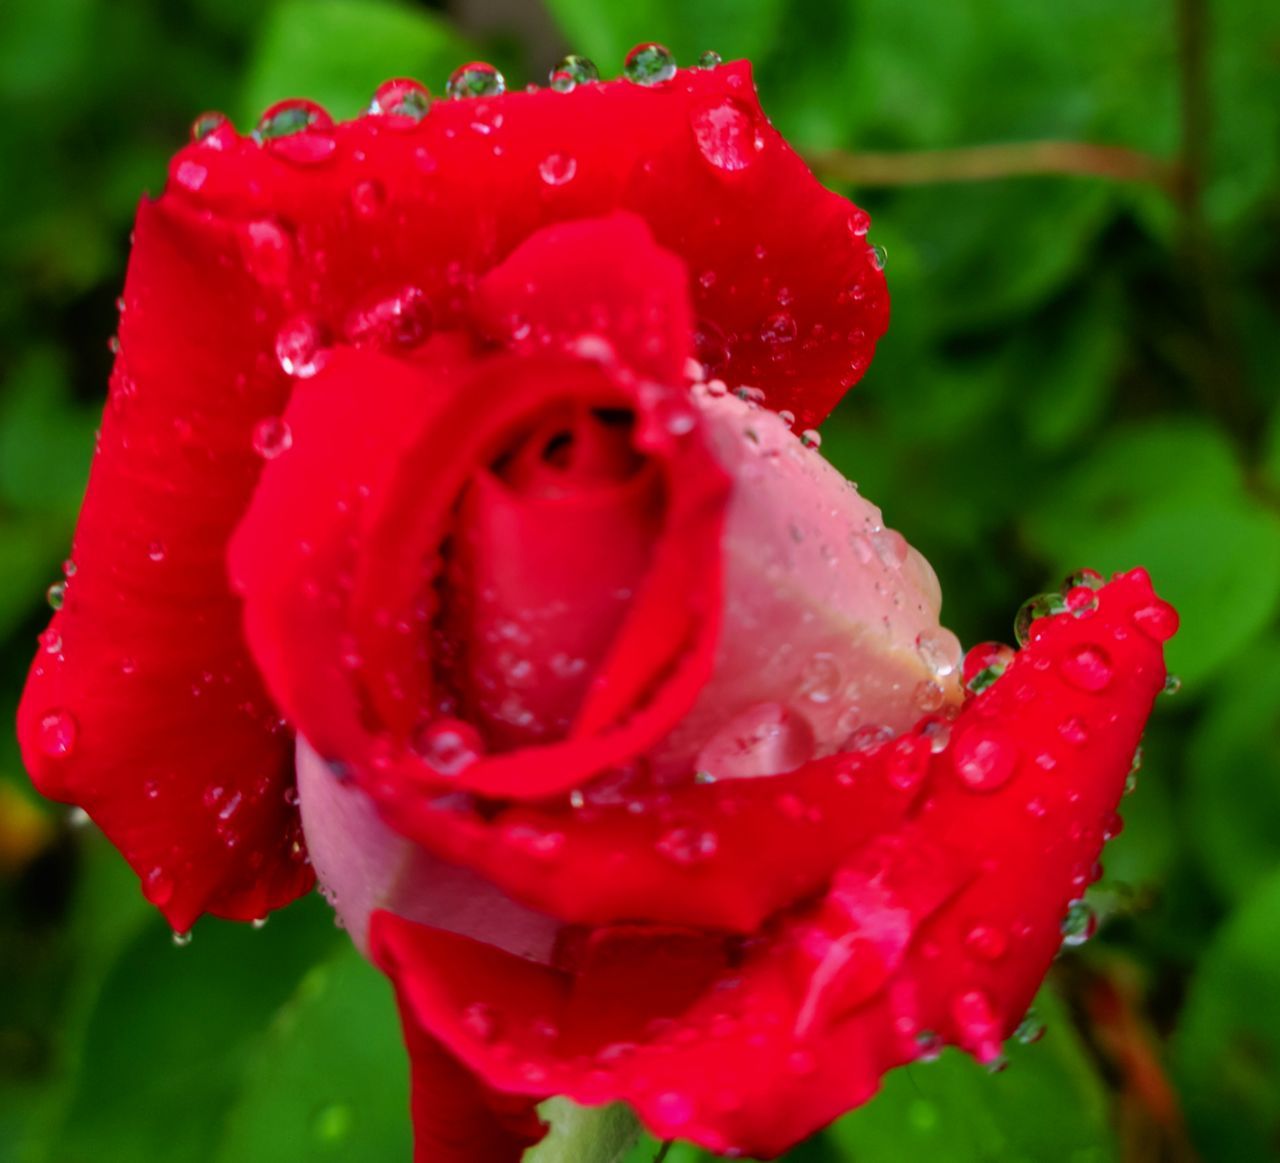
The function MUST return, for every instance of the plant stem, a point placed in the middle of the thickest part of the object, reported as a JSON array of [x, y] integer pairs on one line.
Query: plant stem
[[986, 162]]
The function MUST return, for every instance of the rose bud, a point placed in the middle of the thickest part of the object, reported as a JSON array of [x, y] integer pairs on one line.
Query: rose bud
[[448, 538]]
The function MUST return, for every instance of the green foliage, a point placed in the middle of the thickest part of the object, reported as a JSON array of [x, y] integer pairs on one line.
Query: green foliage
[[1079, 372]]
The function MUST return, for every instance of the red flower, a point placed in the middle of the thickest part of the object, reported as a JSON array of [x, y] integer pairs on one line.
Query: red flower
[[626, 736]]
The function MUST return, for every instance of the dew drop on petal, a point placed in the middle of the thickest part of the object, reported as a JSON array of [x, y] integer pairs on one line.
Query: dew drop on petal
[[477, 79], [649, 64], [986, 942], [286, 118], [206, 124], [984, 664], [400, 319], [181, 940], [984, 761], [1087, 668], [557, 169], [710, 60], [811, 438], [1080, 923], [1030, 1029], [271, 437], [725, 131], [1158, 621], [56, 595], [300, 347], [57, 734], [447, 746], [939, 649], [687, 845], [1034, 608], [571, 72], [402, 100], [1172, 684]]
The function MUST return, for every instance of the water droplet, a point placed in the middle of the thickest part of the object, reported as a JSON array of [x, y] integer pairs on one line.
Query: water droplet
[[1040, 606], [157, 887], [51, 641], [268, 251], [259, 923], [190, 175], [811, 438], [821, 678], [477, 79], [908, 763], [1172, 684], [938, 732], [859, 222], [447, 746], [271, 437], [984, 664], [1135, 766], [1073, 730], [879, 256], [156, 551], [56, 595], [984, 760], [1080, 923], [556, 169], [1113, 827], [649, 64], [1080, 601], [293, 130], [368, 199], [1030, 1029], [672, 1109], [1087, 668], [206, 124], [986, 942], [1089, 578], [778, 330], [709, 60], [571, 72], [1158, 621], [58, 731], [481, 1020], [401, 320], [939, 650], [725, 131], [928, 1046], [687, 845], [767, 739], [182, 940], [300, 347], [403, 100]]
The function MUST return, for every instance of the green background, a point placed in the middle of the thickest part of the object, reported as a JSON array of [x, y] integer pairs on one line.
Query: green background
[[1080, 371]]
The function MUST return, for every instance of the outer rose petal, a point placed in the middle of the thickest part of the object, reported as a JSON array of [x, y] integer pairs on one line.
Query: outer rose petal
[[943, 929], [788, 292], [148, 711]]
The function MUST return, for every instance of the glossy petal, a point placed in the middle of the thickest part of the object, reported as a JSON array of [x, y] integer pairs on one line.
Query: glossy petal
[[150, 713], [940, 930], [788, 295]]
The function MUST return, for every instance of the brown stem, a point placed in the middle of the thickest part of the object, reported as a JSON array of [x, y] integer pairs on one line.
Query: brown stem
[[986, 162]]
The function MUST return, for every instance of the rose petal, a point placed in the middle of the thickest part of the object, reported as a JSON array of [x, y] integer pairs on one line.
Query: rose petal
[[151, 714], [941, 931]]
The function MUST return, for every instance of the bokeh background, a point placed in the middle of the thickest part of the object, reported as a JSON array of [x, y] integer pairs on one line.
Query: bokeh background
[[1082, 370]]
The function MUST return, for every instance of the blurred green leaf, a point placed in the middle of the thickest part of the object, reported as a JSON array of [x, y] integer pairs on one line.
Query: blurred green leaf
[[607, 32], [1169, 497], [1048, 1104], [1227, 1047], [337, 52], [165, 1046], [330, 1079], [1232, 802]]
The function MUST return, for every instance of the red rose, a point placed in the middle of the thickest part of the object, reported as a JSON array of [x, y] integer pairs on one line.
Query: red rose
[[449, 453]]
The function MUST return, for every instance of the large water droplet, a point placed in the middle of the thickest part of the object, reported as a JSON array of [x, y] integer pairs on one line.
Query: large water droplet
[[984, 760], [1158, 621], [985, 663], [939, 650], [725, 131], [157, 887], [57, 734], [1172, 684], [1080, 923], [401, 100], [1040, 606], [300, 347], [207, 124], [293, 129], [767, 739], [649, 64], [571, 72], [477, 79], [1087, 668], [710, 60], [986, 942], [1030, 1029], [56, 595]]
